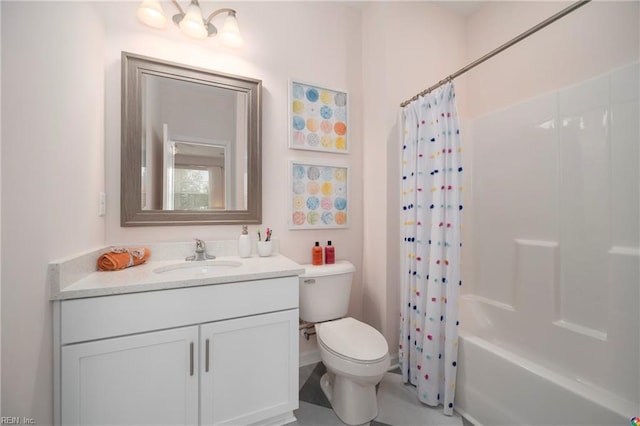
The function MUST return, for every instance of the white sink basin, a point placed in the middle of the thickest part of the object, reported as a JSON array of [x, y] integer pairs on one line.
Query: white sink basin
[[198, 267]]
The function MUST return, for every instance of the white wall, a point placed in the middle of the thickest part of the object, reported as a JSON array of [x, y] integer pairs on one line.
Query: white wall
[[406, 48], [555, 213], [52, 173], [590, 41]]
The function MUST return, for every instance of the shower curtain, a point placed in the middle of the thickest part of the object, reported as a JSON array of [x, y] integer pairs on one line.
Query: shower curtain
[[431, 221]]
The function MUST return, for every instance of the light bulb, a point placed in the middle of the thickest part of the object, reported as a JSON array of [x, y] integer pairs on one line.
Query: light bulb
[[230, 32], [150, 13], [192, 23]]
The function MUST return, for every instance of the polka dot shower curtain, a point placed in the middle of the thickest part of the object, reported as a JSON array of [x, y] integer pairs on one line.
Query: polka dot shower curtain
[[431, 231]]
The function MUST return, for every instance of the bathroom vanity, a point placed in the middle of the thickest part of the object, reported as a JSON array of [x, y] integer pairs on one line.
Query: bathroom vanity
[[170, 342]]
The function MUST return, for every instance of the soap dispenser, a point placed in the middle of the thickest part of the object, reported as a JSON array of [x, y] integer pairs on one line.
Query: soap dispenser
[[244, 243]]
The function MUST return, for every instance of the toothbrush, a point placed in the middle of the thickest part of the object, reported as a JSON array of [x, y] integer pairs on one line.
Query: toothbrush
[[259, 239]]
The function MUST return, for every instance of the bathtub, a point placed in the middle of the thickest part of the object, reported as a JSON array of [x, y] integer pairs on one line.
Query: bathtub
[[497, 387]]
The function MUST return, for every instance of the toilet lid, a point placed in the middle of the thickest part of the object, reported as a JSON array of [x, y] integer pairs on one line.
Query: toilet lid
[[353, 339]]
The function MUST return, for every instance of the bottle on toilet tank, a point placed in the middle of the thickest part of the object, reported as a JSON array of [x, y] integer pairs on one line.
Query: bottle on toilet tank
[[329, 253], [316, 254]]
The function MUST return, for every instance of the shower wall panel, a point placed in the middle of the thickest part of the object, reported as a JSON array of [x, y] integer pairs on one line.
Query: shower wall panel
[[556, 196]]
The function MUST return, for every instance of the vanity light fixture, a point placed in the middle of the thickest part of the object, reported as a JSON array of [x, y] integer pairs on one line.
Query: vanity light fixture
[[191, 22]]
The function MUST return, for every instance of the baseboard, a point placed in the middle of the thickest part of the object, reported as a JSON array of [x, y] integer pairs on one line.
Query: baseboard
[[394, 361], [279, 420]]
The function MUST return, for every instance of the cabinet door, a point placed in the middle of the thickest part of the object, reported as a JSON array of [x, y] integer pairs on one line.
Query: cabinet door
[[250, 370], [145, 379]]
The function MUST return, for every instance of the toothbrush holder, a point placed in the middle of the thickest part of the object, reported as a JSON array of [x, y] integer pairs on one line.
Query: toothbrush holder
[[264, 248]]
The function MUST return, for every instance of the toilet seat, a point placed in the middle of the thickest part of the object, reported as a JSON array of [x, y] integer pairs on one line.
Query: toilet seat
[[352, 340]]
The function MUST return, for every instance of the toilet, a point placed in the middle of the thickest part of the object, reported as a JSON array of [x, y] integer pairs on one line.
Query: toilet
[[355, 354]]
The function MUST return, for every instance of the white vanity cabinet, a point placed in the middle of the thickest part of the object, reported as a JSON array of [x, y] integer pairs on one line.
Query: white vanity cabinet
[[143, 380], [210, 355], [248, 377]]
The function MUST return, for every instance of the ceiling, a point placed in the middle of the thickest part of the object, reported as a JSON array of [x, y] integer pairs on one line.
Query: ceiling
[[462, 8]]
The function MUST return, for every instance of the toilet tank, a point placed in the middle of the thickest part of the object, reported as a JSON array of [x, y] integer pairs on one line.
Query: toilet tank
[[325, 291]]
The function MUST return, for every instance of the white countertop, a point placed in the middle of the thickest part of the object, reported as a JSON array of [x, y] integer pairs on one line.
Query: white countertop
[[77, 278]]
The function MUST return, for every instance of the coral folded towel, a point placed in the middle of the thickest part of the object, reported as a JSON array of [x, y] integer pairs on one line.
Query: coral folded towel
[[120, 258]]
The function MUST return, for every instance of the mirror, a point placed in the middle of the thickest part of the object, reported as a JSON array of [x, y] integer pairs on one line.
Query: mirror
[[191, 147]]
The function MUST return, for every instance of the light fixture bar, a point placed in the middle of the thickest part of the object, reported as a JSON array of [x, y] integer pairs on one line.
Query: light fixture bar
[[191, 21], [219, 12], [177, 5]]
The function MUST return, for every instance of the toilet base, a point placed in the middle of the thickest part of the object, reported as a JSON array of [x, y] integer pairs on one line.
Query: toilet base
[[353, 403]]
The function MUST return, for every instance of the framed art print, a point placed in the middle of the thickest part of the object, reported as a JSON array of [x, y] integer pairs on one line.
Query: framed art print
[[318, 118], [319, 196]]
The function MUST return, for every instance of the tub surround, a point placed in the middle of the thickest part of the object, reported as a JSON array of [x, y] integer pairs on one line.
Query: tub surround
[[76, 277]]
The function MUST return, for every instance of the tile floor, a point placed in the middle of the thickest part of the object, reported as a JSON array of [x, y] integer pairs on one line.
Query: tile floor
[[398, 404]]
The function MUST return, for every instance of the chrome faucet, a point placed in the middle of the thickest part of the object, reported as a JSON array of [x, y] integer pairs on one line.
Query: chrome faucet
[[201, 252]]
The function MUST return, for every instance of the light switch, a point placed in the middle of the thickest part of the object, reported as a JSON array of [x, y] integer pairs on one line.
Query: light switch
[[102, 207]]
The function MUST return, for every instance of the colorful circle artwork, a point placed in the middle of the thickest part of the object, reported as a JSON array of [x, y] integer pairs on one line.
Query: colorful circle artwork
[[298, 107], [313, 187], [313, 217], [298, 202], [313, 203], [320, 112], [298, 187], [298, 172], [299, 218], [340, 203], [327, 189], [327, 218], [326, 141], [319, 196], [297, 91], [312, 94], [326, 97], [298, 138], [312, 124], [326, 203], [327, 173], [298, 122], [312, 139], [313, 172]]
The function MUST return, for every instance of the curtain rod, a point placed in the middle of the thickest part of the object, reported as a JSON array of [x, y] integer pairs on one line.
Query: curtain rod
[[497, 50]]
